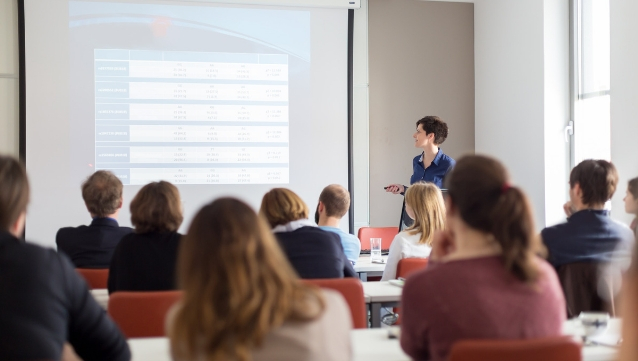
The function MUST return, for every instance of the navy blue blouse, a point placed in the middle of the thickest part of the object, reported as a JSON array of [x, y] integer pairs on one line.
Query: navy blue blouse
[[435, 173]]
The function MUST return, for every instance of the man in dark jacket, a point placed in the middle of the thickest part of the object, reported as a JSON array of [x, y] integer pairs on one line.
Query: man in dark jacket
[[93, 246], [589, 235], [44, 302]]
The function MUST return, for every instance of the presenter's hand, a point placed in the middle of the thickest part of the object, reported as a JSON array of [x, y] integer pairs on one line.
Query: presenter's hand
[[442, 245], [395, 188]]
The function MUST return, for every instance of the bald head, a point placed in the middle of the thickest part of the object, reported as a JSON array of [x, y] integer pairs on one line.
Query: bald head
[[336, 200]]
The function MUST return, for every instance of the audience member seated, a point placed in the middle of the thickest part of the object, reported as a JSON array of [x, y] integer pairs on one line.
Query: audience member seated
[[313, 253], [242, 299], [424, 205], [334, 202], [93, 246], [484, 279], [145, 260], [589, 235], [631, 203], [44, 301]]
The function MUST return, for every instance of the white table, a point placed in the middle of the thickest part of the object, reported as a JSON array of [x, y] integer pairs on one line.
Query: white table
[[364, 267], [380, 294], [594, 352], [373, 344], [367, 345], [101, 296]]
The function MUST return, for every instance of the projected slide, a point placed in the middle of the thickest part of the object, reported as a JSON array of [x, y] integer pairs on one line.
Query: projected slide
[[192, 117], [188, 94]]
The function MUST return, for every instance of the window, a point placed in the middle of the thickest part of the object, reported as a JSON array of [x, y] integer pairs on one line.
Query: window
[[591, 74]]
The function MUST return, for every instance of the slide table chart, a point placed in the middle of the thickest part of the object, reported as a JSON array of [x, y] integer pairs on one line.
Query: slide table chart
[[192, 117]]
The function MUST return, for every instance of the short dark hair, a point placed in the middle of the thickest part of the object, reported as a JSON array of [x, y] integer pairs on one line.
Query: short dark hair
[[14, 191], [597, 178], [102, 193], [434, 124], [157, 208], [336, 199], [632, 186]]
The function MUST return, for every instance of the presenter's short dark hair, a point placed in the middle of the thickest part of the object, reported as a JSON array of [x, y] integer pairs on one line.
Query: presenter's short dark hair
[[597, 178], [434, 124], [157, 207], [14, 191], [102, 193], [336, 199]]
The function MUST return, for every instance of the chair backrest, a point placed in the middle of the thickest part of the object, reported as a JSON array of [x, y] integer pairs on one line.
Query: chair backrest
[[545, 349], [96, 278], [142, 314], [385, 233], [406, 266], [352, 291], [583, 288]]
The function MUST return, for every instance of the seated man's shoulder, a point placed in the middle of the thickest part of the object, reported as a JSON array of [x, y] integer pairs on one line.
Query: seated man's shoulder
[[622, 229], [125, 230], [552, 233], [71, 230], [351, 237], [30, 254]]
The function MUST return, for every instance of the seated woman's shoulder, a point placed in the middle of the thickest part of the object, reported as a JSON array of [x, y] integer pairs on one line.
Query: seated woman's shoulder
[[545, 269], [337, 309]]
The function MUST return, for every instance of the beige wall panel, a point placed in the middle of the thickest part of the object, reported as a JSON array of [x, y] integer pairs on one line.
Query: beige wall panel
[[421, 62]]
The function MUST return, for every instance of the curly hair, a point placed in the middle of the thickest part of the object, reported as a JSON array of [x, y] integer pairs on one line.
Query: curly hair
[[434, 124]]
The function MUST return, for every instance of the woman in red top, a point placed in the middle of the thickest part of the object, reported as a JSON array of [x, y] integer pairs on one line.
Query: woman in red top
[[485, 279]]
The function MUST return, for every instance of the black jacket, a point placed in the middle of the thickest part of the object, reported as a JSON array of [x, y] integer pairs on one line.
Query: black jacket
[[91, 246], [44, 303], [315, 253], [144, 262]]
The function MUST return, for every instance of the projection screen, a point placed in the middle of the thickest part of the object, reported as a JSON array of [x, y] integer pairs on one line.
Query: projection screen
[[219, 99]]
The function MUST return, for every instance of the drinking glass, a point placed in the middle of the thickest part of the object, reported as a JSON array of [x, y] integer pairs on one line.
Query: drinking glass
[[375, 249]]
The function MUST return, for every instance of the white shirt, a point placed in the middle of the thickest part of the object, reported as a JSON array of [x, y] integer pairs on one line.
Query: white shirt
[[404, 245]]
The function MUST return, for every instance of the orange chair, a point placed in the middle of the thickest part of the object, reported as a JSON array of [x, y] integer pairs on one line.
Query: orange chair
[[546, 349], [97, 278], [385, 233], [352, 291], [406, 266], [142, 314]]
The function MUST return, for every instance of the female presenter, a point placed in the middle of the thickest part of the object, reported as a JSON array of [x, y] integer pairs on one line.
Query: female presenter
[[432, 164]]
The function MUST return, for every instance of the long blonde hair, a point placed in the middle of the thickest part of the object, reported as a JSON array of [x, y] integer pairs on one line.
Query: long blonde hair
[[237, 283], [426, 202]]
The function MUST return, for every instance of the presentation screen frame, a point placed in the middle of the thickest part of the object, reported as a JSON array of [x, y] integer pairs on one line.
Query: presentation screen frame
[[351, 5]]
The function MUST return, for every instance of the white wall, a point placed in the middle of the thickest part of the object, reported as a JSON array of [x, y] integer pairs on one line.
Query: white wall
[[624, 97], [8, 77], [557, 108], [521, 61]]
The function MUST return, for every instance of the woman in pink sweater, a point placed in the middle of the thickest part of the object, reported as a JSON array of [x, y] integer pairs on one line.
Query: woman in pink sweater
[[485, 279]]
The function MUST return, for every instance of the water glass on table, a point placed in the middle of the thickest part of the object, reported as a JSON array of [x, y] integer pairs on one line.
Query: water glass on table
[[375, 249], [594, 323]]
